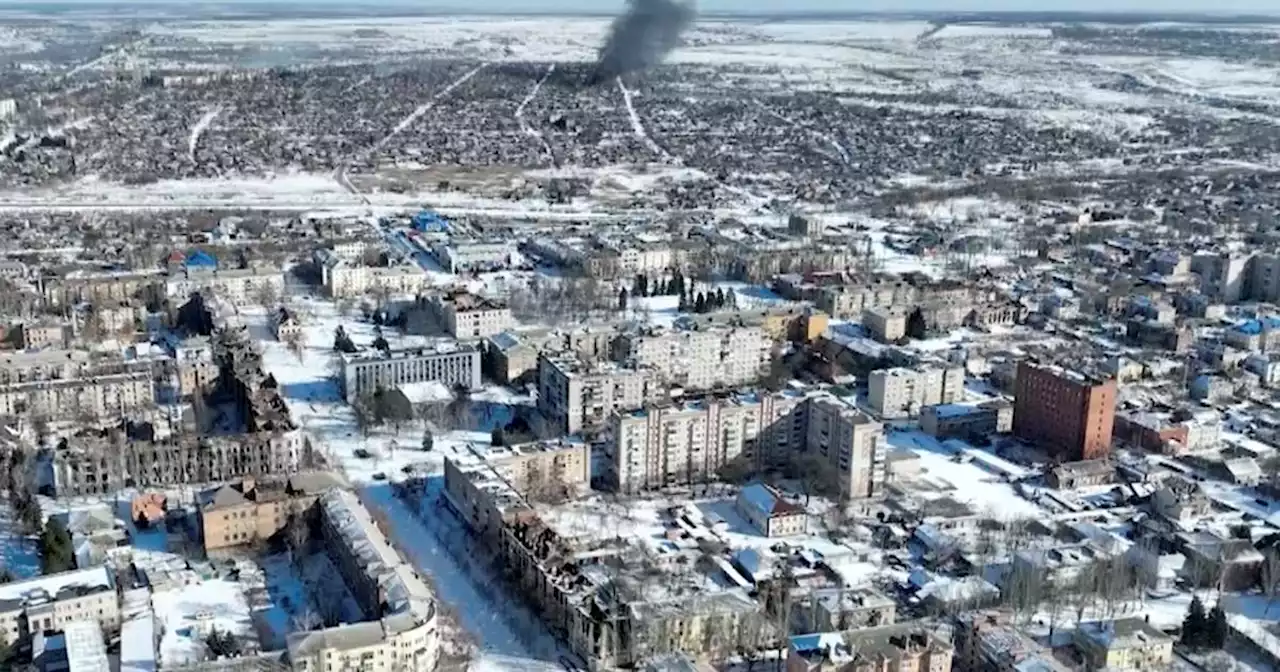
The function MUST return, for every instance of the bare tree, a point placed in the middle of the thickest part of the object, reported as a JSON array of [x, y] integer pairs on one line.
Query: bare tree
[[267, 295], [294, 341]]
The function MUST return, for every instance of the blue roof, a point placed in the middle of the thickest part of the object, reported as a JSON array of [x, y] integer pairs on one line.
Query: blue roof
[[1254, 327], [200, 258], [760, 498], [749, 560], [430, 221], [802, 643]]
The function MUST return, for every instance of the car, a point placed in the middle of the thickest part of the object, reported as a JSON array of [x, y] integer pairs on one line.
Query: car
[[379, 476]]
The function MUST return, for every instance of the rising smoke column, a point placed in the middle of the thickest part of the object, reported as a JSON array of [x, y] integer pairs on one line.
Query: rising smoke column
[[642, 36]]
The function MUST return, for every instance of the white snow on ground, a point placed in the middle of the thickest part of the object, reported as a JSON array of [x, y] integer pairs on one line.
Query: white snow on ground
[[18, 554], [489, 662], [426, 107], [964, 482], [199, 128], [189, 613]]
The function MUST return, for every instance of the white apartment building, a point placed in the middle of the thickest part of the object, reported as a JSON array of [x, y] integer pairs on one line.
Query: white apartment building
[[902, 392], [95, 396], [449, 363], [701, 359], [574, 394], [240, 286], [343, 278], [405, 637], [8, 108], [664, 444], [467, 316], [52, 602]]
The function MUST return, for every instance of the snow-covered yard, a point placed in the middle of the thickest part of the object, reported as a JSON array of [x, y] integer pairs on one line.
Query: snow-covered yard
[[19, 554], [189, 613]]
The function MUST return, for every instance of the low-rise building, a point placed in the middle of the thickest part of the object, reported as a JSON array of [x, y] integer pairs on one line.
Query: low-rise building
[[945, 421], [1085, 473], [1123, 644], [467, 316], [902, 647], [286, 324], [52, 602], [886, 324], [1180, 500], [843, 609], [239, 286], [450, 363], [770, 512], [40, 335], [509, 357], [252, 511], [464, 256], [343, 278]]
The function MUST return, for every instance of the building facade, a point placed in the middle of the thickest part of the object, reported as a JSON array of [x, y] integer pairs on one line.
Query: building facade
[[367, 371], [1066, 412], [574, 394], [700, 359], [902, 392], [467, 316], [54, 601]]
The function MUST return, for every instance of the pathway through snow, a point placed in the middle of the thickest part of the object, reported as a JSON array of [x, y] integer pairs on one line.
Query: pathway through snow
[[199, 129], [524, 125], [426, 107]]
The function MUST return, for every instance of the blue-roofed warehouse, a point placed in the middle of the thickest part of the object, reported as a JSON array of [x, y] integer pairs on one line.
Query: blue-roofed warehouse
[[200, 259], [430, 222]]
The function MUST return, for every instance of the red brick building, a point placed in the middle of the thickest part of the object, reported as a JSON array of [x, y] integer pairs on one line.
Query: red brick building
[[1066, 412]]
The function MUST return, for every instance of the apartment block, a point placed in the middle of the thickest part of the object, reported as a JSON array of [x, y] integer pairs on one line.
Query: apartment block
[[248, 512], [93, 466], [344, 277], [58, 383], [239, 286], [401, 634], [902, 392], [543, 470], [675, 444], [467, 316], [575, 394], [669, 444], [699, 359], [474, 255], [54, 601], [852, 442], [1067, 412], [369, 370]]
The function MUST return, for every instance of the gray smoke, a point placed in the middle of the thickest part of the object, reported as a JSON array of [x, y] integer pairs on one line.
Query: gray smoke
[[643, 36]]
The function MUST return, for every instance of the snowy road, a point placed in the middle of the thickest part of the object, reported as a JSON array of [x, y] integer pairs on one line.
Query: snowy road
[[196, 131], [438, 545], [426, 107], [637, 126], [524, 125]]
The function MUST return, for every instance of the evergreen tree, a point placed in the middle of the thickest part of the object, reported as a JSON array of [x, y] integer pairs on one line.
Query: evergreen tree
[[622, 299], [732, 297], [677, 282], [642, 285], [720, 300], [428, 441], [498, 437], [1216, 628], [700, 303], [684, 304], [56, 551], [1194, 625], [380, 343]]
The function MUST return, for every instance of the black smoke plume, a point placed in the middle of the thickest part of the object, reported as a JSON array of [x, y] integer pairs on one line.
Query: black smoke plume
[[642, 37]]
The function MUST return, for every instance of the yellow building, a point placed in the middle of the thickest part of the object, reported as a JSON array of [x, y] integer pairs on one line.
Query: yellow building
[[1125, 644]]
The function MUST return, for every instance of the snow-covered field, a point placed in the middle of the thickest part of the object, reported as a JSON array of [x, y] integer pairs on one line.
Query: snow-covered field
[[189, 613], [18, 554]]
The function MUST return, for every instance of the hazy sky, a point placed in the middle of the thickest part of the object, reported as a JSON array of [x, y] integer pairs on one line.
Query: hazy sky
[[1216, 6]]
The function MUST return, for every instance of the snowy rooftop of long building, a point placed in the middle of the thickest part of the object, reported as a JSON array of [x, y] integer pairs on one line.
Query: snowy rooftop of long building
[[47, 588]]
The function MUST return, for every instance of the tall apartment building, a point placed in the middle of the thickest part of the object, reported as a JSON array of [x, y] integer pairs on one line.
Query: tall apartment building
[[574, 394], [402, 633], [851, 441], [467, 316], [667, 444], [51, 602], [450, 363], [902, 392], [700, 359], [674, 444], [539, 470], [1067, 412]]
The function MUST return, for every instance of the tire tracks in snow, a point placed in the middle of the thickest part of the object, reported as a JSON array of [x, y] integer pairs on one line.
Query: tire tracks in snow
[[198, 130], [524, 125]]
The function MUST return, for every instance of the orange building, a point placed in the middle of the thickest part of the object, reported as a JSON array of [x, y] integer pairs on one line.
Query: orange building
[[1066, 412]]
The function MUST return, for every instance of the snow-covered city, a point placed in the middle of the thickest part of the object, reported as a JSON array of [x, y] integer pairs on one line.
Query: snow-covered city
[[385, 339]]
